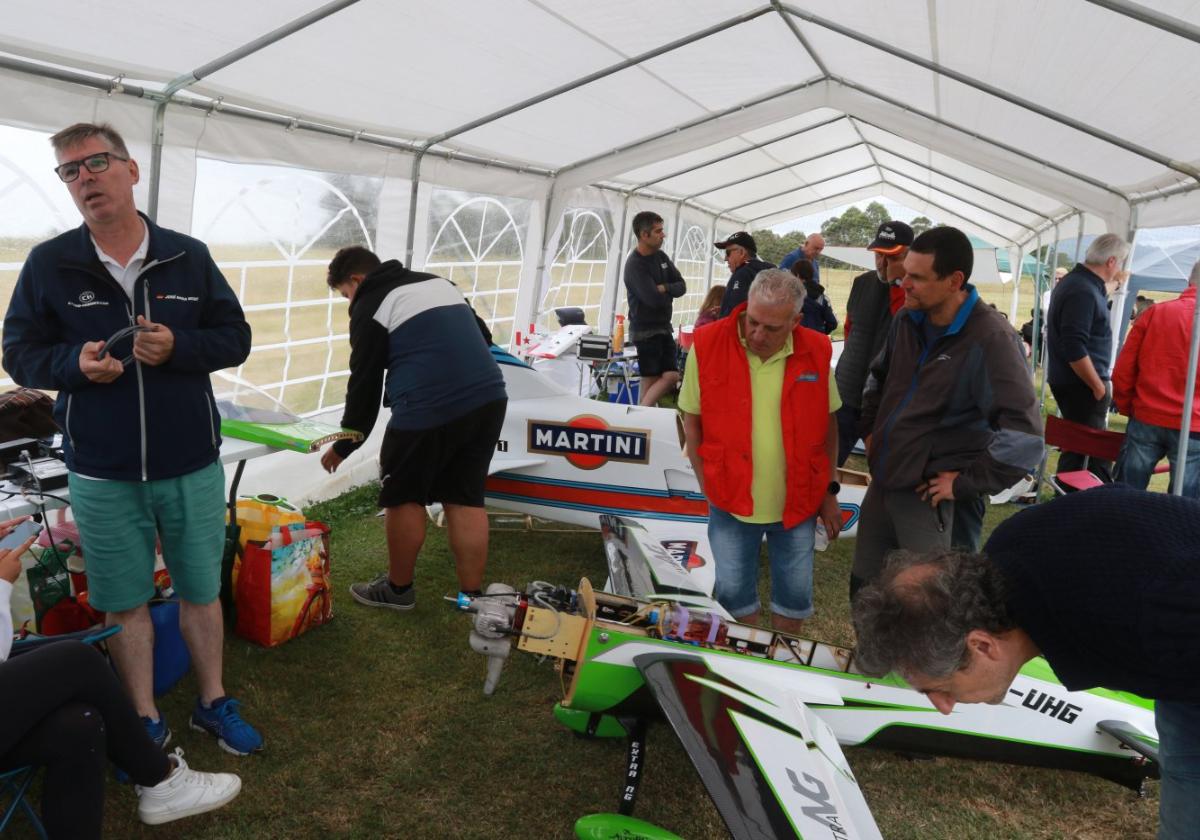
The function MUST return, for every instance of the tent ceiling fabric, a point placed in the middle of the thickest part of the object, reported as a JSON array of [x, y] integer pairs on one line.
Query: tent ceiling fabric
[[963, 107]]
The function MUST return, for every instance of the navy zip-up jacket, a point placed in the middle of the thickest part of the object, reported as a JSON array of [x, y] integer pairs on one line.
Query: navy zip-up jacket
[[152, 422]]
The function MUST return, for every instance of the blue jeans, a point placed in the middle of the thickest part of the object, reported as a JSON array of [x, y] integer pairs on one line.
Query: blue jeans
[[735, 546], [1179, 751], [1145, 445]]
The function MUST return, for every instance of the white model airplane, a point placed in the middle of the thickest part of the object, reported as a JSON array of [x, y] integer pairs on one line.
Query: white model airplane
[[567, 458]]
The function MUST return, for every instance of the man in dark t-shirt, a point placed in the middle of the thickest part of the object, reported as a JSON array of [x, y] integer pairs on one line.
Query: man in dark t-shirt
[[651, 282], [1103, 583]]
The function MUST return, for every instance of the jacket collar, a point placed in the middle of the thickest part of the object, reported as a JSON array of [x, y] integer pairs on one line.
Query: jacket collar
[[80, 249], [960, 317]]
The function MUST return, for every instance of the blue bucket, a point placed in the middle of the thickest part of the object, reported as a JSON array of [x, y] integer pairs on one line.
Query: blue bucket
[[171, 657]]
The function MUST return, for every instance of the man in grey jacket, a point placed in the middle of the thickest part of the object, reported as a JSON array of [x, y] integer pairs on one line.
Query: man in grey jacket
[[949, 411]]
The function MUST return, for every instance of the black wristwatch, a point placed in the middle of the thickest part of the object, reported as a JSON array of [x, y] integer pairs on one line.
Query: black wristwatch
[[834, 488]]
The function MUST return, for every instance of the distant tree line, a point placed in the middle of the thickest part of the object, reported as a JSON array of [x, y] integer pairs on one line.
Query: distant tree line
[[855, 228]]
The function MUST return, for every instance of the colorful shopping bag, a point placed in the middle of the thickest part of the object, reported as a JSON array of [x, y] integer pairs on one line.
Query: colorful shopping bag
[[283, 585]]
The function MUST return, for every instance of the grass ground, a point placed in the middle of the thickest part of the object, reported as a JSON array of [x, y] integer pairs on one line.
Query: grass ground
[[376, 726]]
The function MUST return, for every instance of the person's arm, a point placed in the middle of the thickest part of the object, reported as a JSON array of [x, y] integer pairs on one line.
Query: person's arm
[[1075, 317], [34, 354], [877, 373], [1005, 395], [831, 513], [676, 287], [640, 286], [693, 434], [10, 570], [831, 321], [222, 339], [1125, 373], [364, 389]]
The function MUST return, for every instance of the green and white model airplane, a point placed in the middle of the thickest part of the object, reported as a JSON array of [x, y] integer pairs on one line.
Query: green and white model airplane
[[762, 715]]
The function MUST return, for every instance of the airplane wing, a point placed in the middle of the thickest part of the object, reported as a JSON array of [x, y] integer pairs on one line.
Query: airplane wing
[[1132, 738], [771, 771], [659, 558]]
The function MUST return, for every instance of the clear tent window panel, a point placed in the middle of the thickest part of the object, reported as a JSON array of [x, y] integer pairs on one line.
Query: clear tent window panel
[[272, 231], [36, 204], [579, 266], [478, 244], [691, 258]]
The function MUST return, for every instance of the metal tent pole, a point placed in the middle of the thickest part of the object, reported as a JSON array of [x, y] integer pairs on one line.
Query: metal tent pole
[[1189, 403]]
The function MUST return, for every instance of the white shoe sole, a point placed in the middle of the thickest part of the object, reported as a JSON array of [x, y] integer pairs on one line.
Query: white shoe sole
[[170, 816]]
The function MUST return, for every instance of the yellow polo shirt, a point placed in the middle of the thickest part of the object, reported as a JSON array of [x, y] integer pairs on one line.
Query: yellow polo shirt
[[769, 486]]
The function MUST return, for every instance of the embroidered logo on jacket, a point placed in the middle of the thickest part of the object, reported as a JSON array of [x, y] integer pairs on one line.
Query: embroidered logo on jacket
[[86, 298]]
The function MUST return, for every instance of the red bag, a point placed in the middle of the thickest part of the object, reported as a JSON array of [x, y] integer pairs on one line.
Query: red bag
[[283, 585]]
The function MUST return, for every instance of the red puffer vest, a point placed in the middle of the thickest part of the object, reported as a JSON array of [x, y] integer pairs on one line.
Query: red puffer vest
[[725, 417]]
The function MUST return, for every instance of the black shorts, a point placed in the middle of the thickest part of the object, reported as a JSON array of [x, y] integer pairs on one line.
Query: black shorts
[[446, 464], [656, 355]]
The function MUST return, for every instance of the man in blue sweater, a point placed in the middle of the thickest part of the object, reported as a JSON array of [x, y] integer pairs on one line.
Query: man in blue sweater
[[417, 334], [1104, 584], [141, 433]]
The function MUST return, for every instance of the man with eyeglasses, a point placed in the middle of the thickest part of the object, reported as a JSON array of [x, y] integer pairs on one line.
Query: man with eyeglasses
[[141, 432], [741, 258]]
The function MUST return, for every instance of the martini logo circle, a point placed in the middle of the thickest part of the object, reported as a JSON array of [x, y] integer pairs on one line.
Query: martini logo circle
[[588, 442]]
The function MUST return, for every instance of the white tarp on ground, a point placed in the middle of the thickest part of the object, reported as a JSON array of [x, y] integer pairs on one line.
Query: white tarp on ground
[[1008, 119]]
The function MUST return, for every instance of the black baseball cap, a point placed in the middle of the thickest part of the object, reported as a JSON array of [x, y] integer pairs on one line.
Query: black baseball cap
[[891, 238], [743, 240]]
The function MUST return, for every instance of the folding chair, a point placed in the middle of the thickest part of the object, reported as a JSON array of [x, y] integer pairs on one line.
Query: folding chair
[[1070, 436], [15, 783]]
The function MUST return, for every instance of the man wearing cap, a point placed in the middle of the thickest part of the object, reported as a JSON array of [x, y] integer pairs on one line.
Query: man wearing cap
[[810, 250], [651, 281], [949, 412], [875, 296], [741, 258], [756, 403]]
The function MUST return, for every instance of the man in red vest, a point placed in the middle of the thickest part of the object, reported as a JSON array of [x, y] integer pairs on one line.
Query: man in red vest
[[756, 401]]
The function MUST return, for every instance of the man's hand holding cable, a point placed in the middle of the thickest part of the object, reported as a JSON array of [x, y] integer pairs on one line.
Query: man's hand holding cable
[[938, 489], [96, 369], [154, 345]]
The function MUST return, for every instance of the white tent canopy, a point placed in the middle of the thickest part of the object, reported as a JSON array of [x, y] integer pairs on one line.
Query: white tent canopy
[[513, 140]]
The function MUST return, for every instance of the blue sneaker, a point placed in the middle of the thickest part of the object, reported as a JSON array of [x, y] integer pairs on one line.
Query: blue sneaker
[[159, 733], [223, 722]]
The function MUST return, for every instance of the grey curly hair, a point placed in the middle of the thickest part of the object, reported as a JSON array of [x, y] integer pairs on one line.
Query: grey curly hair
[[920, 625]]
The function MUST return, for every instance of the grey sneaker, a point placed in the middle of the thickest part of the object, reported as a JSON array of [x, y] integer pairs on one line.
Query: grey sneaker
[[378, 593]]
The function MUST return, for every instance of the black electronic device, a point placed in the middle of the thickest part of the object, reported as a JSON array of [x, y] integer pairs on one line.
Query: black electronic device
[[597, 348], [11, 450], [41, 473]]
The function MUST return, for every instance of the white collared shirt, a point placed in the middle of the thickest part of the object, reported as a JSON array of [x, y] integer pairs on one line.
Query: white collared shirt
[[126, 275]]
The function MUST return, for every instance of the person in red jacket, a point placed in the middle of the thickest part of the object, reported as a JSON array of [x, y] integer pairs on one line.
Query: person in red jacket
[[756, 403], [1148, 384]]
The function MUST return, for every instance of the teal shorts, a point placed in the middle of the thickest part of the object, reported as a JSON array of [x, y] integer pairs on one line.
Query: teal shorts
[[119, 520]]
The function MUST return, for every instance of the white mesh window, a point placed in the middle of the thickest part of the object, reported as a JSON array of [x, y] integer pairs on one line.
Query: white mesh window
[[691, 258], [477, 245], [577, 272], [35, 205], [272, 231]]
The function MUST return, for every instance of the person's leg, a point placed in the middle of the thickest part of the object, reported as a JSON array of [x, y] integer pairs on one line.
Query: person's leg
[[117, 529], [968, 523], [190, 511], [1191, 476], [735, 547], [847, 420], [1179, 756], [405, 527], [919, 526], [646, 383], [1076, 403], [1143, 447], [467, 529], [876, 537], [654, 389], [64, 708], [790, 551]]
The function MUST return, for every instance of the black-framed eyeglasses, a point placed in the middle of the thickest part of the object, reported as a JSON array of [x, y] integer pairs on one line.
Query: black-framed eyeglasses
[[98, 162]]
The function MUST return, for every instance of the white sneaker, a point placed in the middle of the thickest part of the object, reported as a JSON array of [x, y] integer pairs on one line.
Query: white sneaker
[[185, 792]]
